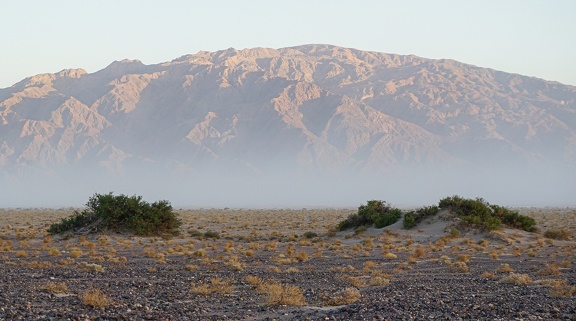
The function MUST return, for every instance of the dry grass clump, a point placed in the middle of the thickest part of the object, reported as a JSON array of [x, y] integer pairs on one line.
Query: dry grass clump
[[379, 280], [412, 259], [87, 244], [271, 246], [39, 265], [494, 254], [343, 269], [517, 278], [21, 253], [6, 246], [488, 275], [149, 252], [484, 242], [91, 267], [358, 282], [401, 267], [216, 285], [459, 267], [95, 298], [292, 270], [66, 261], [75, 253], [191, 267], [119, 260], [103, 240], [420, 251], [561, 288], [369, 265], [253, 280], [565, 264], [505, 267], [550, 269], [97, 259], [282, 294], [200, 253], [54, 287], [302, 256], [254, 246], [446, 259], [347, 295], [463, 258], [273, 269], [558, 234], [54, 251], [283, 260], [389, 255], [235, 264]]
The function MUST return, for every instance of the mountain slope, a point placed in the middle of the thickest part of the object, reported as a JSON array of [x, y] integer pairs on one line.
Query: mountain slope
[[306, 110]]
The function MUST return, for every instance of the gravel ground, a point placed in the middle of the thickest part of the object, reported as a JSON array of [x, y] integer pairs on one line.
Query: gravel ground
[[159, 286]]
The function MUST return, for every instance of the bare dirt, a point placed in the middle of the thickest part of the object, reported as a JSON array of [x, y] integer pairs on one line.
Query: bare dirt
[[379, 274]]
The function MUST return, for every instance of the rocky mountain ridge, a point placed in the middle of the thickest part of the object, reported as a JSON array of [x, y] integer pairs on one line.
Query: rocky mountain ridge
[[305, 110]]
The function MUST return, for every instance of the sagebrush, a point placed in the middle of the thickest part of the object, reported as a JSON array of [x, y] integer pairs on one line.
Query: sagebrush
[[480, 214], [414, 218], [377, 213], [121, 214]]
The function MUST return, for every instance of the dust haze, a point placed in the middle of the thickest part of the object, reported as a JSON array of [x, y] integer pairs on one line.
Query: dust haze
[[305, 126], [278, 187]]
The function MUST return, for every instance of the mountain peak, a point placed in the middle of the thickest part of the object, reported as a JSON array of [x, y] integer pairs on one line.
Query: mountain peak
[[125, 66], [312, 109], [72, 73], [48, 79], [126, 61]]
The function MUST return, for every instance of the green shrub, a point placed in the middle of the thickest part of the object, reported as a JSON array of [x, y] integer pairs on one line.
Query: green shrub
[[77, 220], [388, 218], [377, 213], [480, 214], [454, 233], [211, 235], [409, 220], [414, 218], [451, 202], [310, 235], [360, 229], [512, 218], [121, 214], [195, 233]]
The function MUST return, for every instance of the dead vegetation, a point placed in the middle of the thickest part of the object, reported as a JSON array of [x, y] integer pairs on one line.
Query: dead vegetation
[[277, 257], [95, 298], [54, 287], [215, 285], [281, 294]]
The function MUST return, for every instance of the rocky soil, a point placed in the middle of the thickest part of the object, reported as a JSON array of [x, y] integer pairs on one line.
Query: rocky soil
[[387, 274]]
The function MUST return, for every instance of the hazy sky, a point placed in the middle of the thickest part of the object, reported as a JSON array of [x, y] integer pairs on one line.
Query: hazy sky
[[534, 38]]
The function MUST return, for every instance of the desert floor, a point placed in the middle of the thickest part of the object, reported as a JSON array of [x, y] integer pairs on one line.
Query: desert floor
[[287, 265]]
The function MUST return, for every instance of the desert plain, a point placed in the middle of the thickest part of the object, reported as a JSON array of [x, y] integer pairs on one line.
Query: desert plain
[[275, 264]]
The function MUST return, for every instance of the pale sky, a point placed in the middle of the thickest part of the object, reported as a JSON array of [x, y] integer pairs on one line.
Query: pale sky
[[534, 38]]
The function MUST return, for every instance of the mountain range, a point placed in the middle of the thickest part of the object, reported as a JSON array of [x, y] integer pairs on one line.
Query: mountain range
[[308, 113]]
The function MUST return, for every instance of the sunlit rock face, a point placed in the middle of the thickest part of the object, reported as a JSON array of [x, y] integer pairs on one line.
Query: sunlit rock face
[[313, 112]]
